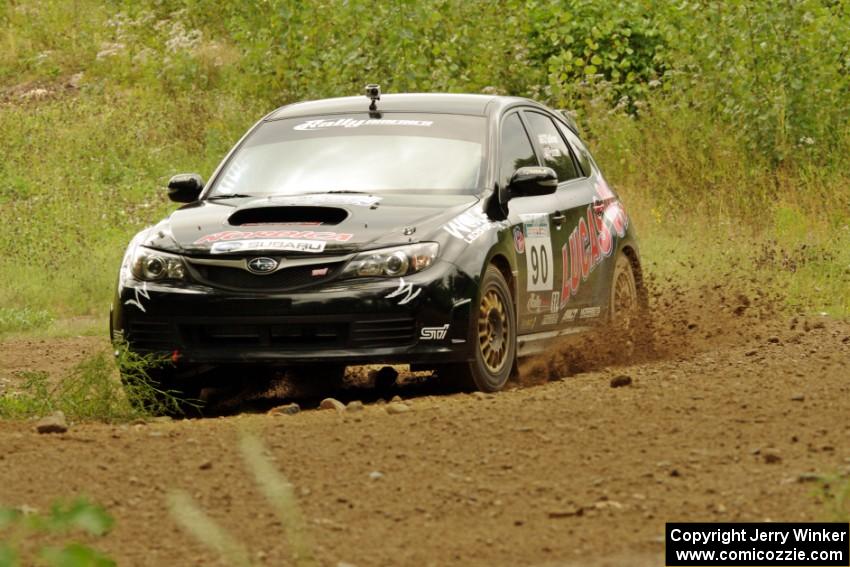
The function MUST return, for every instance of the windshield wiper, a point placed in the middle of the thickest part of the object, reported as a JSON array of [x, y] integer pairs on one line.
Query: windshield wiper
[[229, 196]]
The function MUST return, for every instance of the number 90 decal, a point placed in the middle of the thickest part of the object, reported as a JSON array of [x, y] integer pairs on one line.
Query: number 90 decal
[[538, 252]]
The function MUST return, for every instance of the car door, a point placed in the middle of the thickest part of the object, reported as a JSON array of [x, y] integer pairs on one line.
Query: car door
[[578, 247], [535, 229]]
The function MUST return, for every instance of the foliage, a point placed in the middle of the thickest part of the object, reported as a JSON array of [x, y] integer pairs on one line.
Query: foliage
[[93, 392], [583, 47], [777, 71], [20, 528], [14, 319]]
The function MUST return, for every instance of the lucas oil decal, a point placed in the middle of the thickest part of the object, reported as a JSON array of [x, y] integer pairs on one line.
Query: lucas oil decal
[[590, 242], [539, 276]]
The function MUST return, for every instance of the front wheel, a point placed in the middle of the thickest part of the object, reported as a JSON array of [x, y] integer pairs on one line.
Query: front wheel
[[495, 337]]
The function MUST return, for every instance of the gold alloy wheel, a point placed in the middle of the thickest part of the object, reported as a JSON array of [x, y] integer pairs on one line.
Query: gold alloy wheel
[[493, 331]]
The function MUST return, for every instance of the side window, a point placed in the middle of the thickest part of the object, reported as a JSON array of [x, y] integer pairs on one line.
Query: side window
[[556, 154], [516, 149], [581, 151]]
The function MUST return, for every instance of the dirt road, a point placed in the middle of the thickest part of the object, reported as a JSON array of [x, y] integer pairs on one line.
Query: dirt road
[[728, 420]]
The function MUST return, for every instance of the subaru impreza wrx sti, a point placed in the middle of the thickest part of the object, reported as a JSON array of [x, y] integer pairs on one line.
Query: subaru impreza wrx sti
[[445, 231]]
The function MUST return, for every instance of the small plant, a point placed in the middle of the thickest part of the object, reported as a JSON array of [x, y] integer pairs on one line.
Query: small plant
[[19, 528], [279, 493], [142, 391], [92, 392], [834, 491]]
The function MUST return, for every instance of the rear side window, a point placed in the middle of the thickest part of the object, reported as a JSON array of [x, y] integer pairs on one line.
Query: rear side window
[[579, 148], [556, 154], [516, 149]]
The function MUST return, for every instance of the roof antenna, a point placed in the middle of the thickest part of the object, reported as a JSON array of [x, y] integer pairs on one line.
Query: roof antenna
[[374, 93]]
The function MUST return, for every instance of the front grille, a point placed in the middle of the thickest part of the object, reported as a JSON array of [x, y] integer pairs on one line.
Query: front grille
[[223, 333], [383, 332], [286, 333], [284, 279], [151, 336]]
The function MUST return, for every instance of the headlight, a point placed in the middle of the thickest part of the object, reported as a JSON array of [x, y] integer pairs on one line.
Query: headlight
[[153, 265], [392, 262]]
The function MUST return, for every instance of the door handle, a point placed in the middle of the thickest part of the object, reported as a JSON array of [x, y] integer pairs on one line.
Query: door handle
[[559, 219]]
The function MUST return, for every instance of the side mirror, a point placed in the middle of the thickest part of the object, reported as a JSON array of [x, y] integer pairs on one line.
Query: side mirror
[[185, 188], [531, 181]]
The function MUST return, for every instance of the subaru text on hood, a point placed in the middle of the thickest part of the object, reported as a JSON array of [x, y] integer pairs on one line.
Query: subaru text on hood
[[448, 232]]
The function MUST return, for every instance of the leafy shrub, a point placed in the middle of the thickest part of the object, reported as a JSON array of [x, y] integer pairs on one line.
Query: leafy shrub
[[18, 527]]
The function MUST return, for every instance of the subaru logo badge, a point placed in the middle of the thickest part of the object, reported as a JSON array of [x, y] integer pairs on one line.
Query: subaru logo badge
[[262, 265]]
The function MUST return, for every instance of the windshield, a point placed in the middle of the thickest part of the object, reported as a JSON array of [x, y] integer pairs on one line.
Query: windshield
[[356, 153]]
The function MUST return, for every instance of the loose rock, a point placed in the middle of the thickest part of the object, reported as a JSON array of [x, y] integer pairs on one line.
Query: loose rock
[[620, 381], [396, 407], [771, 456], [354, 406], [331, 403], [54, 423], [376, 475], [288, 409], [566, 513], [798, 398]]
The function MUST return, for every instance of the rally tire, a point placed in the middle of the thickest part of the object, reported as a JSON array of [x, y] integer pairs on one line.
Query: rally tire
[[625, 302], [629, 315], [494, 337]]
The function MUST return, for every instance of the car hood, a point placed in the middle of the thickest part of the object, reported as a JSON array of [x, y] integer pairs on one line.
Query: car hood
[[308, 223]]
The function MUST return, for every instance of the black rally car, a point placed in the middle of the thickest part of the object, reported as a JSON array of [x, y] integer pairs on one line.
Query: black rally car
[[447, 231]]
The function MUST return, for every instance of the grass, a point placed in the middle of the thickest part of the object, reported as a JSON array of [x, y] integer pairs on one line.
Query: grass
[[92, 391], [15, 320]]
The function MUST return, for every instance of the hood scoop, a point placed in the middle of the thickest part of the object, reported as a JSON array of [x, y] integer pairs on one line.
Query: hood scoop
[[288, 215]]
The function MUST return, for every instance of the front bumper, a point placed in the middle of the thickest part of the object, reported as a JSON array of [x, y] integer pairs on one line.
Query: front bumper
[[422, 319]]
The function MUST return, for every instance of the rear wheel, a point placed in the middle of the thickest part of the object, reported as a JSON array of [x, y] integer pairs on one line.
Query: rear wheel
[[629, 316], [625, 303], [495, 337]]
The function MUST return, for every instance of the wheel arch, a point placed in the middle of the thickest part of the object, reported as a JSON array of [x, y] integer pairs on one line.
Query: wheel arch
[[501, 263]]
